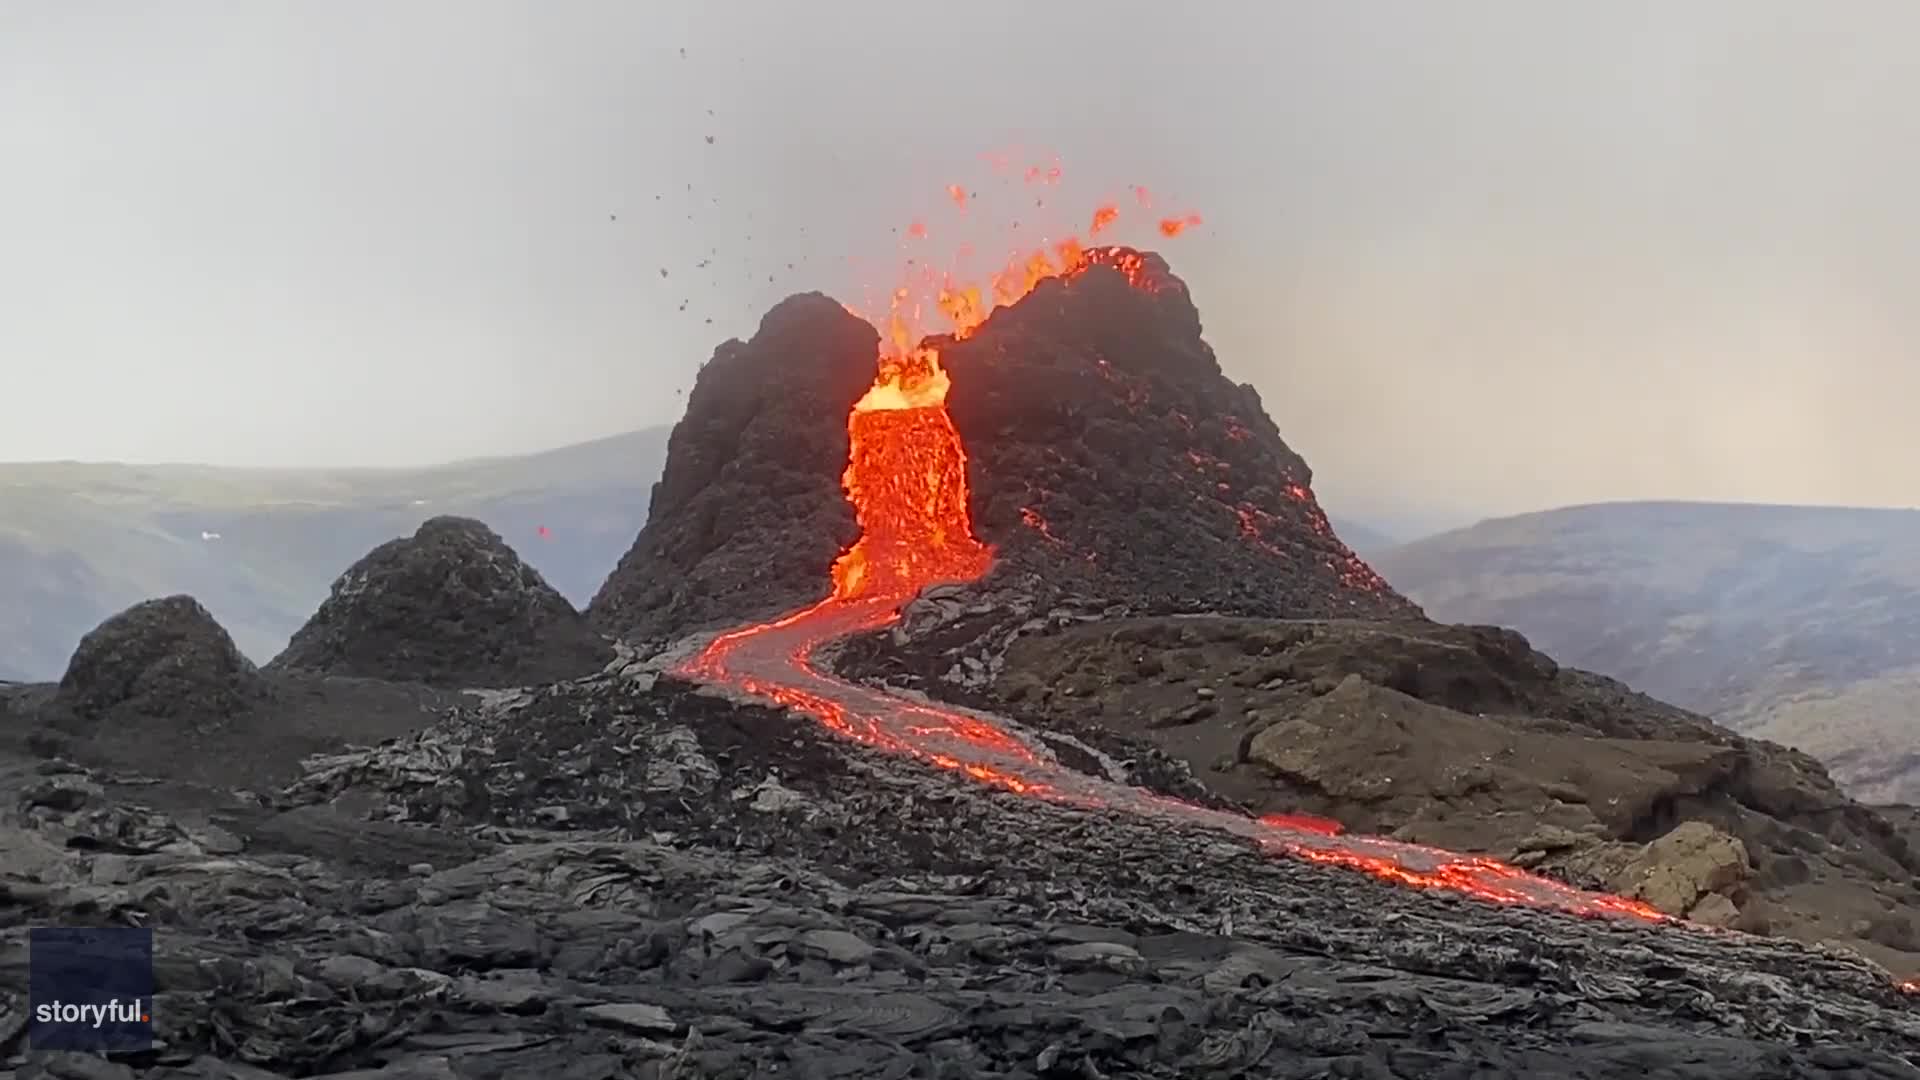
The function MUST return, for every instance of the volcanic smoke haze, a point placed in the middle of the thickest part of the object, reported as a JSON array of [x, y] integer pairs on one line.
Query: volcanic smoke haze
[[1478, 257]]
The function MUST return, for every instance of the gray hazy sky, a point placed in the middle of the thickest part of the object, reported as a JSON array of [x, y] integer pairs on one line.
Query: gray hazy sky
[[1474, 254]]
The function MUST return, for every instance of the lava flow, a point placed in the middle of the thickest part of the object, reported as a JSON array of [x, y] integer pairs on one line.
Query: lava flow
[[907, 480]]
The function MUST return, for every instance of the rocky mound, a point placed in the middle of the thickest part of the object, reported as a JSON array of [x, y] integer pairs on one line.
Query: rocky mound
[[1108, 456], [1459, 737], [749, 515], [160, 694], [167, 659], [450, 606]]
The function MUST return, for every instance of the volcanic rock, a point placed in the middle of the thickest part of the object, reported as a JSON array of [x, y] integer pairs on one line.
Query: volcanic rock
[[451, 606], [1435, 776], [1459, 737], [891, 920], [165, 659], [1109, 456], [1686, 864], [1696, 870], [749, 515]]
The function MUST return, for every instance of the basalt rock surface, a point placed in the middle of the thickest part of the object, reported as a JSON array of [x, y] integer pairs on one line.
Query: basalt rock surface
[[623, 877], [749, 516], [451, 606]]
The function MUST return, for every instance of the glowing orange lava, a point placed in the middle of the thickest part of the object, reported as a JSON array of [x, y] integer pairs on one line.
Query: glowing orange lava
[[1305, 823], [1174, 226], [907, 480]]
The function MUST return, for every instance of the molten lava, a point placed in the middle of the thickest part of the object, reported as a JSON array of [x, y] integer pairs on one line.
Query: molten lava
[[907, 480]]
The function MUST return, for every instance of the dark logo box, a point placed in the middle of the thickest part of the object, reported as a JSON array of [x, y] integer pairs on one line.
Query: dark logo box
[[90, 989]]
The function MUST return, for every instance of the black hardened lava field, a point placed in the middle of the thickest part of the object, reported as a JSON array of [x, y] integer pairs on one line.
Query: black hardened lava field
[[997, 704]]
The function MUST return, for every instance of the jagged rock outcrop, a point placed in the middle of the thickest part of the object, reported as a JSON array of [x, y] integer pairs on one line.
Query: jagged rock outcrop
[[1675, 872], [749, 514], [167, 659], [1389, 761], [1695, 871], [450, 606]]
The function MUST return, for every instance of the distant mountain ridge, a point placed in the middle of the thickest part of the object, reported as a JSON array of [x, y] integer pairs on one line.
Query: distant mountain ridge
[[261, 547], [1795, 623], [80, 541]]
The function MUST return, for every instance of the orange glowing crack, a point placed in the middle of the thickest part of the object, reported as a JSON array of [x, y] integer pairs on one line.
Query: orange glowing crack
[[906, 477]]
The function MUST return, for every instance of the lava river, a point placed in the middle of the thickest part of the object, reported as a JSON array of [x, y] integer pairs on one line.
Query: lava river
[[907, 480]]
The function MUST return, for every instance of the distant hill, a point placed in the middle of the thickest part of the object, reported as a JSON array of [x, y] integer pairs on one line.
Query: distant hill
[[1794, 623], [1365, 539], [260, 547]]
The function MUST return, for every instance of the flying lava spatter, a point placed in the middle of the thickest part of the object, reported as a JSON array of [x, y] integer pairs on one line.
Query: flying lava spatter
[[907, 480]]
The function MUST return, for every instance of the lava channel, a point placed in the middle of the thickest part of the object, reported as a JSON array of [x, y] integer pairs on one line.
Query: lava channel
[[907, 480]]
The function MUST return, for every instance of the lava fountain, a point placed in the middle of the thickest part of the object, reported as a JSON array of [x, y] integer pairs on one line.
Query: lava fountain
[[907, 480]]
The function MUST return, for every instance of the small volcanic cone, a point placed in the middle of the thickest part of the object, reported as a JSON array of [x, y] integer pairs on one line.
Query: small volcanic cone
[[165, 659], [451, 606], [1083, 434]]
